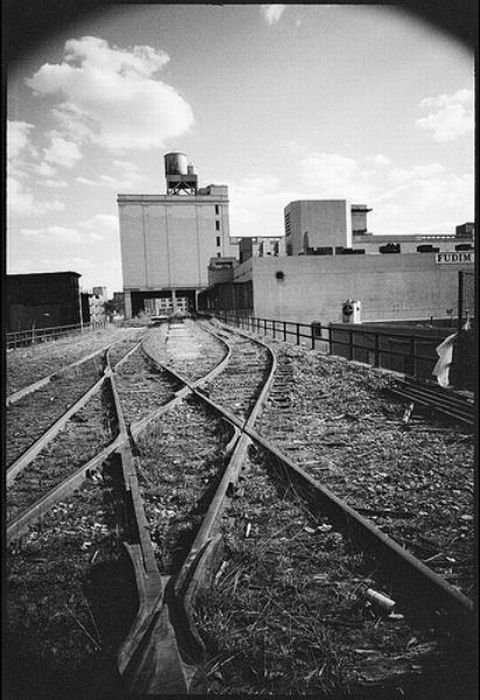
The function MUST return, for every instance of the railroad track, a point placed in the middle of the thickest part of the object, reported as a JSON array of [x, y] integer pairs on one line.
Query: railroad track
[[206, 551], [103, 467], [177, 541], [445, 402], [72, 446]]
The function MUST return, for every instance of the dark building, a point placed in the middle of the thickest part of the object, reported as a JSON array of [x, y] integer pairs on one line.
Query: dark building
[[42, 300]]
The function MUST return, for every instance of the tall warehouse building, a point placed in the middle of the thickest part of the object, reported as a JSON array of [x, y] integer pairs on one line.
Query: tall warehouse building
[[167, 240]]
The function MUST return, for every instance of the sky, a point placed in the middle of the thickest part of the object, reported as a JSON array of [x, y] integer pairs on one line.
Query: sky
[[279, 102]]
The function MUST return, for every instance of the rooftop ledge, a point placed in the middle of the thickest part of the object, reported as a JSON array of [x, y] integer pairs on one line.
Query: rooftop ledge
[[152, 198]]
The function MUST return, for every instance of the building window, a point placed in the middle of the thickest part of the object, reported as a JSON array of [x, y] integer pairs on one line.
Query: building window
[[219, 255], [219, 241], [217, 209], [217, 225]]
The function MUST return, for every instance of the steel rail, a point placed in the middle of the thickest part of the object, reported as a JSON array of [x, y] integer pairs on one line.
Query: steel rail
[[452, 407], [443, 594], [13, 398], [17, 395], [459, 414], [127, 355], [229, 478], [149, 660], [31, 452], [177, 608], [19, 525], [445, 395]]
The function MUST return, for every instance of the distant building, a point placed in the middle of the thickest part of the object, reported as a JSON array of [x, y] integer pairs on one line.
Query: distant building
[[410, 286], [260, 246], [97, 300], [100, 293], [317, 227], [465, 231], [333, 227], [331, 257], [221, 270], [167, 240], [43, 300]]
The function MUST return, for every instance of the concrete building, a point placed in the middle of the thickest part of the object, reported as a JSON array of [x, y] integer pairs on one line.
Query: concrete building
[[316, 227], [333, 227], [331, 258], [167, 240], [314, 288]]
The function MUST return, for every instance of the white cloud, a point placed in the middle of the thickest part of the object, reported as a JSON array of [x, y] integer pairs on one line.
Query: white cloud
[[44, 170], [256, 206], [86, 181], [451, 118], [22, 163], [425, 198], [112, 97], [62, 152], [18, 139], [126, 177], [297, 148], [52, 234], [379, 159], [272, 13], [21, 201], [55, 184], [401, 176], [334, 176], [101, 227]]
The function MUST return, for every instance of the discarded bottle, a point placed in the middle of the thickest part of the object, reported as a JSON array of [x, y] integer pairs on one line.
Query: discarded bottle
[[381, 601]]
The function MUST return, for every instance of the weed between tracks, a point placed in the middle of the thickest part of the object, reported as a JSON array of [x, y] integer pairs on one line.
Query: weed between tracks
[[287, 613], [180, 464], [70, 602]]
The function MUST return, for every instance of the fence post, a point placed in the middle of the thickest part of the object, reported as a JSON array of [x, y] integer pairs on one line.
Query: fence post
[[312, 330], [350, 344], [285, 331], [412, 358], [264, 326], [460, 299], [376, 359], [274, 328], [298, 334], [330, 340]]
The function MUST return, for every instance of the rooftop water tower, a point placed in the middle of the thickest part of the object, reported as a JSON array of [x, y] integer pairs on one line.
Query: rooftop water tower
[[180, 175]]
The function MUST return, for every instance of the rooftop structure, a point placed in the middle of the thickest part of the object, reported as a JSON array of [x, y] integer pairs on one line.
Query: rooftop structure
[[167, 240]]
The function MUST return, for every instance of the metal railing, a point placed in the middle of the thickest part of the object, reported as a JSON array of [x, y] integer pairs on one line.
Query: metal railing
[[402, 351], [31, 336]]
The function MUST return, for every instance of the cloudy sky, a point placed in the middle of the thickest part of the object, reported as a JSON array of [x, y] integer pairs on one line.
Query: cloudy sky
[[279, 102]]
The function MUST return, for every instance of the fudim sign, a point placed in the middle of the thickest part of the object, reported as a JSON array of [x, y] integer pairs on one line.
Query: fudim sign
[[455, 258]]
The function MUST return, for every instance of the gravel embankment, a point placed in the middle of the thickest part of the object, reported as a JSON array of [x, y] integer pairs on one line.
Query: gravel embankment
[[415, 481]]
